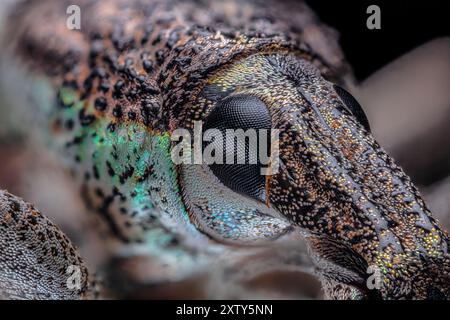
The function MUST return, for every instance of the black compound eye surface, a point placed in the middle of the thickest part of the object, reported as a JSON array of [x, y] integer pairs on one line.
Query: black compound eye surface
[[240, 112], [353, 105]]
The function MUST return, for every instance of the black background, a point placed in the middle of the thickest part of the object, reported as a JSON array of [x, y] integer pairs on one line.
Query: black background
[[404, 26]]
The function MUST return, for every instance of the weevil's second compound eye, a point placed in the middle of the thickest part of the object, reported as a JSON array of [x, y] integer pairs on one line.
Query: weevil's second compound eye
[[244, 123], [353, 106]]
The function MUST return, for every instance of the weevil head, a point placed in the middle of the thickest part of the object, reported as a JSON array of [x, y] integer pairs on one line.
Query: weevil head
[[361, 214], [364, 220]]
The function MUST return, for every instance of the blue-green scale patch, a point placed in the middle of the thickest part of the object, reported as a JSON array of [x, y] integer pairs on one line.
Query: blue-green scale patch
[[128, 167]]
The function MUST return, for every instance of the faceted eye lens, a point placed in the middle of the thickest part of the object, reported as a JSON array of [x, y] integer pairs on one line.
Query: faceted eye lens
[[239, 112], [249, 114], [353, 106]]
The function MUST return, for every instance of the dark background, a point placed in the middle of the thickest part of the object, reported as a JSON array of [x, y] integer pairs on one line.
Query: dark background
[[404, 26]]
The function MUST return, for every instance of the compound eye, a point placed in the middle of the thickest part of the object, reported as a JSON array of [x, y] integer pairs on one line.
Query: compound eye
[[353, 106], [250, 123]]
